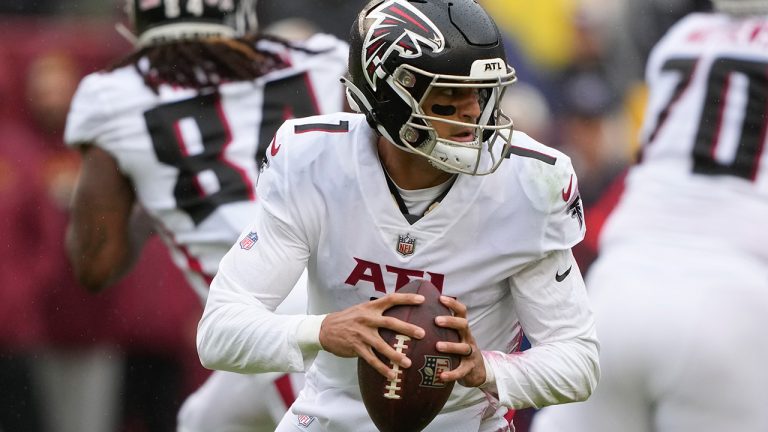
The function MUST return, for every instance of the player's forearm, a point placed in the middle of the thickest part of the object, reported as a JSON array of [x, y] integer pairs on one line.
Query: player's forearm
[[562, 365], [102, 239], [545, 375], [98, 259], [95, 262], [238, 333]]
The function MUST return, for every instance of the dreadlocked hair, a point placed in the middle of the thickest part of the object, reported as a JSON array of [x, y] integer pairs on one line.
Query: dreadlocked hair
[[205, 63]]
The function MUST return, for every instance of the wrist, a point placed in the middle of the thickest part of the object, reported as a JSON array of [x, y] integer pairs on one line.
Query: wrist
[[490, 377], [308, 333]]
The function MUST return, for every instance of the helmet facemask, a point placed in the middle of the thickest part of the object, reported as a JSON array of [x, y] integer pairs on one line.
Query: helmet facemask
[[492, 130]]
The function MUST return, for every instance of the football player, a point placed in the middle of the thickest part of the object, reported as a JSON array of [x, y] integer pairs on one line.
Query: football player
[[174, 134], [427, 181], [680, 287]]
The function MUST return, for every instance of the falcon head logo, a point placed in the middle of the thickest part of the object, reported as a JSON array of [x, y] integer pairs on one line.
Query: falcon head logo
[[576, 212], [400, 27]]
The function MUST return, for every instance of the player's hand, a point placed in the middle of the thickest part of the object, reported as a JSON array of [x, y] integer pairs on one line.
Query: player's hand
[[471, 370], [354, 332]]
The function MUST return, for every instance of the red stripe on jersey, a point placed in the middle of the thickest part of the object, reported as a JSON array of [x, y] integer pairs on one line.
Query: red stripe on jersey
[[285, 388], [509, 415], [192, 262]]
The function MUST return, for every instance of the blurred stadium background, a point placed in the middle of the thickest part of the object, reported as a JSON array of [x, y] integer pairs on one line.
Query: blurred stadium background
[[124, 360]]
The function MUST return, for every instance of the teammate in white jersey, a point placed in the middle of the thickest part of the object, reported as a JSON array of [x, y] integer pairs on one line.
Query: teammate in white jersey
[[680, 288], [178, 128], [428, 182]]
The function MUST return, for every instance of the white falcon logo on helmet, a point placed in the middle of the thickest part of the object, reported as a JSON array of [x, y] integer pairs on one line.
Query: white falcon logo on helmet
[[413, 29]]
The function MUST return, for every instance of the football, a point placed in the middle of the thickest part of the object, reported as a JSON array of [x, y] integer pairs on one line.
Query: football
[[410, 402]]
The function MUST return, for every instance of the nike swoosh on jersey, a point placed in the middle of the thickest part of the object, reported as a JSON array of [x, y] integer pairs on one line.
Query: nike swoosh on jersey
[[273, 149], [566, 193], [561, 277]]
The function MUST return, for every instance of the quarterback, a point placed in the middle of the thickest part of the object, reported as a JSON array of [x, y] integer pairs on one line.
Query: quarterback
[[428, 181]]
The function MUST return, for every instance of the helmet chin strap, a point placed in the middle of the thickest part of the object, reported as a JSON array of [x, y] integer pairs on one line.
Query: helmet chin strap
[[355, 97]]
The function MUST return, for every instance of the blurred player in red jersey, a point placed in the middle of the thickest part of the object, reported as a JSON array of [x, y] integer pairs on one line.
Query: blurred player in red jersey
[[171, 139], [680, 286]]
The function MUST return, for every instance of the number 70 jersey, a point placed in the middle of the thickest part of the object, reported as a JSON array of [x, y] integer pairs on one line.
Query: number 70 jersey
[[709, 97], [193, 156], [704, 167]]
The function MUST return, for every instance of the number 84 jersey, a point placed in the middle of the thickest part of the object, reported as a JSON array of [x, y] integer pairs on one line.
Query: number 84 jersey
[[193, 156]]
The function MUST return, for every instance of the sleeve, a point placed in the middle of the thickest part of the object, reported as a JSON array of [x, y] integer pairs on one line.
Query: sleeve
[[239, 330], [87, 118], [565, 225], [562, 364], [552, 189]]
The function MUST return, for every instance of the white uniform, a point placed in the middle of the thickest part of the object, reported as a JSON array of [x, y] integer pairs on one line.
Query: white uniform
[[495, 242], [680, 289], [193, 159]]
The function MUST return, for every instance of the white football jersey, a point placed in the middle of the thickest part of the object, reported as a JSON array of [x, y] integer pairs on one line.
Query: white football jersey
[[325, 203], [708, 79], [193, 158]]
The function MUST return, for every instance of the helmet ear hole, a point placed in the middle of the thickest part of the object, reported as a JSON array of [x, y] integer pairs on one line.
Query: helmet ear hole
[[422, 139], [411, 135]]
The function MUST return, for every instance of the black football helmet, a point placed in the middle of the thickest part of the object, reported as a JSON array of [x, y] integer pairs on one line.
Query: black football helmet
[[742, 7], [160, 21], [400, 50]]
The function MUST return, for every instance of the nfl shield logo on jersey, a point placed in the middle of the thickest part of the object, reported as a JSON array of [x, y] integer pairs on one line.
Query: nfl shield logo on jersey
[[406, 245], [249, 240], [305, 420]]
